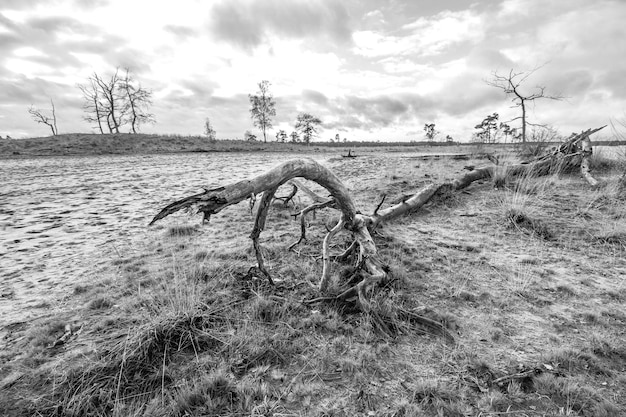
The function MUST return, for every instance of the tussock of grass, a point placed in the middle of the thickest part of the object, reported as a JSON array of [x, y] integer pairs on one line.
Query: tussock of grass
[[601, 161], [521, 221], [614, 237], [181, 231], [433, 397], [577, 361], [135, 368], [574, 396], [100, 303]]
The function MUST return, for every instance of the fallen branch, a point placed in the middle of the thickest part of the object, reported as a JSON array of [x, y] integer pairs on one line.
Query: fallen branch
[[371, 268]]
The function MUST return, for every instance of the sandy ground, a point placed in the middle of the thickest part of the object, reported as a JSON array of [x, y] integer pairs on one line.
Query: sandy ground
[[63, 219]]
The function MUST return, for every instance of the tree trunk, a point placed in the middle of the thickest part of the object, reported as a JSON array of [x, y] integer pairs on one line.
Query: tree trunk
[[523, 104], [55, 131]]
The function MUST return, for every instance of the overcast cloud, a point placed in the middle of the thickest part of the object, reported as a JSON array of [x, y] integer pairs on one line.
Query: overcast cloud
[[371, 70]]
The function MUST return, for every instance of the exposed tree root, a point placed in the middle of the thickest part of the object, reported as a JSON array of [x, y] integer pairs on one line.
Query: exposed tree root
[[372, 271]]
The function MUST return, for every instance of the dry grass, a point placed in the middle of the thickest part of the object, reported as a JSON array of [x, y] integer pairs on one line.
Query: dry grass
[[184, 327]]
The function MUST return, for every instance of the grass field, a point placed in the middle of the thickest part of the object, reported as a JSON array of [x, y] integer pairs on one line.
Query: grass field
[[530, 278]]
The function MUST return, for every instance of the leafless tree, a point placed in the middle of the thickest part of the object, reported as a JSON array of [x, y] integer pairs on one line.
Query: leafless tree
[[512, 86], [116, 101], [103, 101], [50, 121], [308, 125], [113, 100], [93, 108], [137, 101], [262, 108]]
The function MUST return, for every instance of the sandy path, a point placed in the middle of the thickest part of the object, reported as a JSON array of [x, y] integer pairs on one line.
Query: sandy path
[[63, 219]]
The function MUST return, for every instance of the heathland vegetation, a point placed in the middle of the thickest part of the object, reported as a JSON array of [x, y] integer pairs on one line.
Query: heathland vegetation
[[497, 289], [525, 281]]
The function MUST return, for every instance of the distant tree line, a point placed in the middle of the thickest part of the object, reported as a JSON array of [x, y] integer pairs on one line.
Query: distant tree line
[[111, 102]]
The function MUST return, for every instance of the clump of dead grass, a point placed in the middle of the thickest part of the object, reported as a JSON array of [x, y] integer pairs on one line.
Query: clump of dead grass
[[520, 203], [181, 231], [574, 396], [521, 221], [136, 367]]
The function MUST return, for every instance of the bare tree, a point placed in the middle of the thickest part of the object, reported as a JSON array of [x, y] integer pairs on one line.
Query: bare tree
[[93, 108], [103, 101], [116, 102], [308, 125], [511, 84], [39, 117], [137, 100], [262, 108], [113, 101]]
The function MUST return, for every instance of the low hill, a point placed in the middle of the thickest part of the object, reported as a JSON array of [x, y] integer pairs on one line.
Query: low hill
[[125, 143]]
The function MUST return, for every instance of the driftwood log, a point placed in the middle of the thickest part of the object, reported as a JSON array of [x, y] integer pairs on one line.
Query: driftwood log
[[570, 154]]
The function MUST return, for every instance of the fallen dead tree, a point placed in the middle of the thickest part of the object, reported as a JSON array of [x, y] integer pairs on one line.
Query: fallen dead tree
[[571, 154]]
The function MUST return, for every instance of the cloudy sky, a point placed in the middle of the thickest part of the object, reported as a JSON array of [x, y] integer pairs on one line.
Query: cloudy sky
[[370, 69]]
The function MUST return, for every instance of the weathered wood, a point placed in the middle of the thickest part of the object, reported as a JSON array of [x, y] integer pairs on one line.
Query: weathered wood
[[585, 169], [215, 200], [325, 255], [312, 195], [259, 225]]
